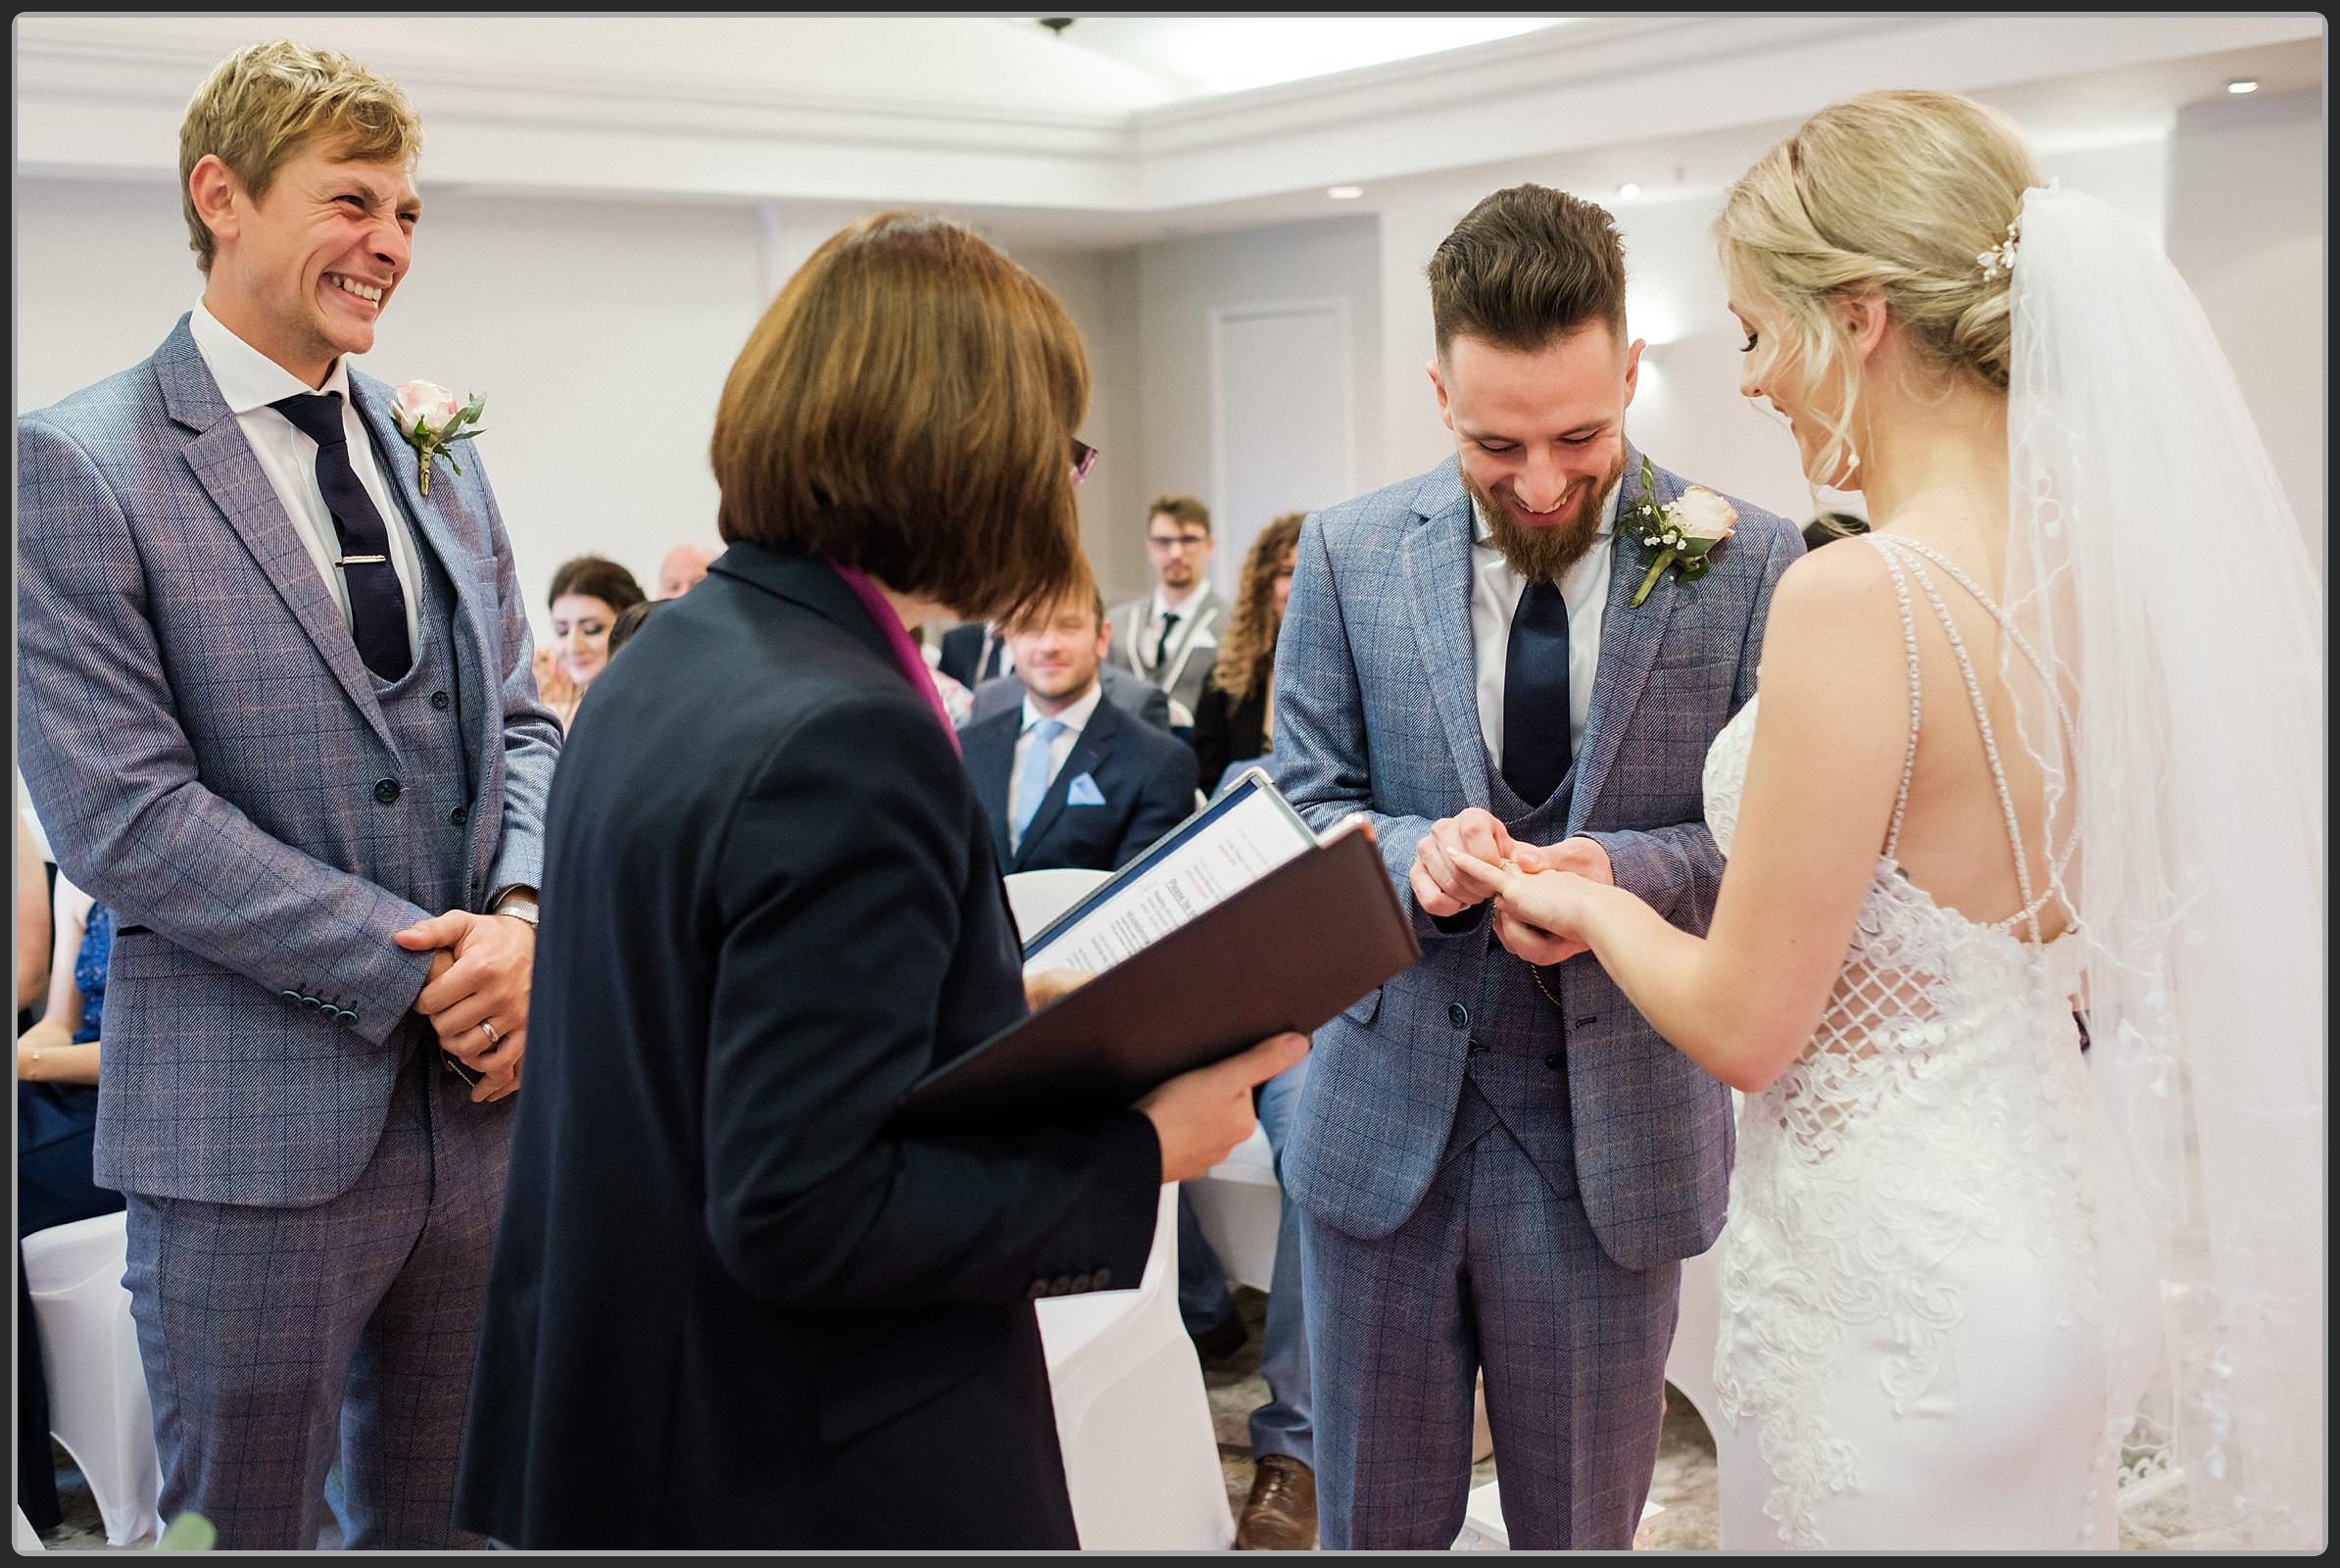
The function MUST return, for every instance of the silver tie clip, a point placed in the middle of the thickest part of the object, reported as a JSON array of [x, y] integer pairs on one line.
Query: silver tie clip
[[363, 561]]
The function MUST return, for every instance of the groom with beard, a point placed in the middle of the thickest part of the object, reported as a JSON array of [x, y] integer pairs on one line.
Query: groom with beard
[[1499, 1167]]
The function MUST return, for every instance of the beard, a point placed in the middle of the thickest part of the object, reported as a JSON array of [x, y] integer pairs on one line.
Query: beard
[[1542, 552]]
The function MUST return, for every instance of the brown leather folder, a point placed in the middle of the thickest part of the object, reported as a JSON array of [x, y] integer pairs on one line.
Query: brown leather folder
[[1306, 940]]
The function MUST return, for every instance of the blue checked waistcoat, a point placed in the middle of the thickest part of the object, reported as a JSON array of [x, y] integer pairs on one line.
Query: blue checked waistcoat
[[214, 760], [1376, 712]]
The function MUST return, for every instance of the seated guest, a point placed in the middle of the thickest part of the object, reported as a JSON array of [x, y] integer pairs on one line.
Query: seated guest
[[975, 653], [1829, 526], [683, 567], [729, 1308], [1170, 636], [1067, 779], [1133, 695], [57, 1074], [588, 594], [1235, 716], [32, 925]]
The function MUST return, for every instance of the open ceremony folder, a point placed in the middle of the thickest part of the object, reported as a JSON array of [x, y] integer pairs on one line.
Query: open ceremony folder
[[1238, 924]]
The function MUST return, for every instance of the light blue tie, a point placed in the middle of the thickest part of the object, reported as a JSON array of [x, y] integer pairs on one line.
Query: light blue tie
[[1034, 782]]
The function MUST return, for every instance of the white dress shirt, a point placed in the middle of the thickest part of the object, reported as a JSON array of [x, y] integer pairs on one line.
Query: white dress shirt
[[1495, 591], [1074, 719], [248, 381]]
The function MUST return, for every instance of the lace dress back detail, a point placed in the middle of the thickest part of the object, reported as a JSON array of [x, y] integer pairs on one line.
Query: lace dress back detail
[[1908, 1272]]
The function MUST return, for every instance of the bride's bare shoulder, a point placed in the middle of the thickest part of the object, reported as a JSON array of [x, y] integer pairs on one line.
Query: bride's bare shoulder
[[1841, 588]]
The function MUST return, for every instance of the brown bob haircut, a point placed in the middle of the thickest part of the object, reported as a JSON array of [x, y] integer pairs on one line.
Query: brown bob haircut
[[906, 406], [1527, 265], [596, 578]]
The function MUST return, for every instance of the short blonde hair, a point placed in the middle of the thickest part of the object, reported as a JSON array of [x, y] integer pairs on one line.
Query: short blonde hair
[[1893, 193], [261, 106], [906, 406]]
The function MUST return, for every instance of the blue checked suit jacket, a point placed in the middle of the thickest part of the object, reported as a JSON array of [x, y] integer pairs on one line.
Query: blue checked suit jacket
[[1376, 712], [201, 741]]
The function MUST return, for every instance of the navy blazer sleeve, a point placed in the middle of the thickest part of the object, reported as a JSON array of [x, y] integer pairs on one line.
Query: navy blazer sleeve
[[840, 877]]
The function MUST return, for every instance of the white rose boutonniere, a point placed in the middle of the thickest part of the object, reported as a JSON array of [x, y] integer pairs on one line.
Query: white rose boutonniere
[[432, 421], [1682, 535]]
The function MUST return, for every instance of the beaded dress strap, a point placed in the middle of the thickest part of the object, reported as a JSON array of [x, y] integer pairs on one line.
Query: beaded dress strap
[[1909, 757], [2032, 903]]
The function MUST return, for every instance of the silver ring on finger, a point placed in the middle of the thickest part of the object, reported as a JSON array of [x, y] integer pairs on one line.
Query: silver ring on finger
[[489, 1030]]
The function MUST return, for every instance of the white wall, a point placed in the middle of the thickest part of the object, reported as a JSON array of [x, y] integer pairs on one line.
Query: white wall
[[598, 334], [1179, 282], [2247, 229]]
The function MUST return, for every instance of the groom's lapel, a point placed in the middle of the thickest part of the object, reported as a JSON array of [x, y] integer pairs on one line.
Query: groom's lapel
[[1629, 645], [1437, 550]]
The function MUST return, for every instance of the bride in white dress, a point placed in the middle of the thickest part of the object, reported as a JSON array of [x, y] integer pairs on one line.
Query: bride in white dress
[[2046, 741]]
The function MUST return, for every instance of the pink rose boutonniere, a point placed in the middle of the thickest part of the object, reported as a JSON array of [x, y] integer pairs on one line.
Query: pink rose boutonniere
[[1690, 526], [432, 421]]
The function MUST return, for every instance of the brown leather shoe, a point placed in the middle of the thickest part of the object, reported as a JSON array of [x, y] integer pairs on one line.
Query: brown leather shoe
[[1280, 1515]]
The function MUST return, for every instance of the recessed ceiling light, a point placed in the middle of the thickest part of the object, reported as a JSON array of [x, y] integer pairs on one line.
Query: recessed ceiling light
[[1344, 194], [1627, 191], [2244, 85]]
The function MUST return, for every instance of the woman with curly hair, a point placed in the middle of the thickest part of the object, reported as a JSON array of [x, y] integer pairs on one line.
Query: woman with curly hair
[[1235, 721]]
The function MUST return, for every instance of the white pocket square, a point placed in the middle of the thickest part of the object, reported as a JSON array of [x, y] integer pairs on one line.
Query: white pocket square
[[1083, 791]]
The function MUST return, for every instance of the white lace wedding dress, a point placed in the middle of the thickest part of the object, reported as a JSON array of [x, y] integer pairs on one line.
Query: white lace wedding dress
[[1908, 1356]]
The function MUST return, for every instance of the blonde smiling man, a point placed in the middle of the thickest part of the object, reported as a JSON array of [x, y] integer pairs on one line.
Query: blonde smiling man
[[277, 714]]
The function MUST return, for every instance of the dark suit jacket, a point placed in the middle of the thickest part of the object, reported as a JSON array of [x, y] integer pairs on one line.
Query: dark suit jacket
[[962, 653], [726, 1309], [1228, 731], [1147, 776]]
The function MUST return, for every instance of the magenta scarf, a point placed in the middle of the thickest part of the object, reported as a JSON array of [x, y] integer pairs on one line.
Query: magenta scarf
[[905, 652]]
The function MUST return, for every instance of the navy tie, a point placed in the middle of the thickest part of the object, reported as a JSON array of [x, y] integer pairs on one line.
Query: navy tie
[[1536, 722], [1161, 647], [377, 605]]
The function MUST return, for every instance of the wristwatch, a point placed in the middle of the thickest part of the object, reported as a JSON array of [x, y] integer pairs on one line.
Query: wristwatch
[[520, 906]]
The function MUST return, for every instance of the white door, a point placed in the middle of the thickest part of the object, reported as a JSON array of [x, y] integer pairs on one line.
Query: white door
[[1281, 420]]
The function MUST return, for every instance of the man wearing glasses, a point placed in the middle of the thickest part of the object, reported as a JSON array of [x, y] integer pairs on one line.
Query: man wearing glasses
[[1170, 637]]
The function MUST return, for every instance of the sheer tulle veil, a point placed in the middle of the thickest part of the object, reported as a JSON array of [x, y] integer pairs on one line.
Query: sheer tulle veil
[[2155, 564]]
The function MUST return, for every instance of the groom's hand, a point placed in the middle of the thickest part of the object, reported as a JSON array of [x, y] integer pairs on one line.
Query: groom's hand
[[1444, 889]]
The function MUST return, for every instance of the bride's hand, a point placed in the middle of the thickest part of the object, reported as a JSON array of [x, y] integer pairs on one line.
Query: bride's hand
[[1539, 915]]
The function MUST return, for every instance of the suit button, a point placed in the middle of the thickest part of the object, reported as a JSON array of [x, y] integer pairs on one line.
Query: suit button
[[311, 1001], [1556, 1061], [1105, 1277], [1458, 1016], [459, 816], [438, 699], [290, 996], [1039, 1287], [385, 790], [1476, 1047], [1061, 1285], [1081, 1283]]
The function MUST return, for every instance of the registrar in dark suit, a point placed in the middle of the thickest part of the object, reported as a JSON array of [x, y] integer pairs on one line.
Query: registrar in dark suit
[[728, 1308], [1094, 795]]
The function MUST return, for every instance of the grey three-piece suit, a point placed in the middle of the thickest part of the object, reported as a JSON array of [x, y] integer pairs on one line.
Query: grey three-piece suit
[[313, 1196], [1485, 1177]]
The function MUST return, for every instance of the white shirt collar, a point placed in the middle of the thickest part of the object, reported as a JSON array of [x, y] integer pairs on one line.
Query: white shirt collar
[[248, 379], [1074, 718], [1483, 534], [1163, 605]]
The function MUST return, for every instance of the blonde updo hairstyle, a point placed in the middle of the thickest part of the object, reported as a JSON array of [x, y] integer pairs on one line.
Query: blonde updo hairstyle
[[1894, 194]]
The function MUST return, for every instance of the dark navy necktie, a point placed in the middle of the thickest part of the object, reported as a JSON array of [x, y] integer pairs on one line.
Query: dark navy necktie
[[1536, 722], [377, 605], [994, 647]]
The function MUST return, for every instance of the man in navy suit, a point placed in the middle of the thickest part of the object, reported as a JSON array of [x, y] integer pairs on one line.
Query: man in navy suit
[[1068, 778]]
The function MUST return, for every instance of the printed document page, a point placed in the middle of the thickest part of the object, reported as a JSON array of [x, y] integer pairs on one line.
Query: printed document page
[[1242, 844]]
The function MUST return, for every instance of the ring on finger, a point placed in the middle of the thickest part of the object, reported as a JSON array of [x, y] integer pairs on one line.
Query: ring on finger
[[489, 1030]]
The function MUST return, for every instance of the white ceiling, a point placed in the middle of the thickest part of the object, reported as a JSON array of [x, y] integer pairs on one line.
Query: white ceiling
[[1125, 127]]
